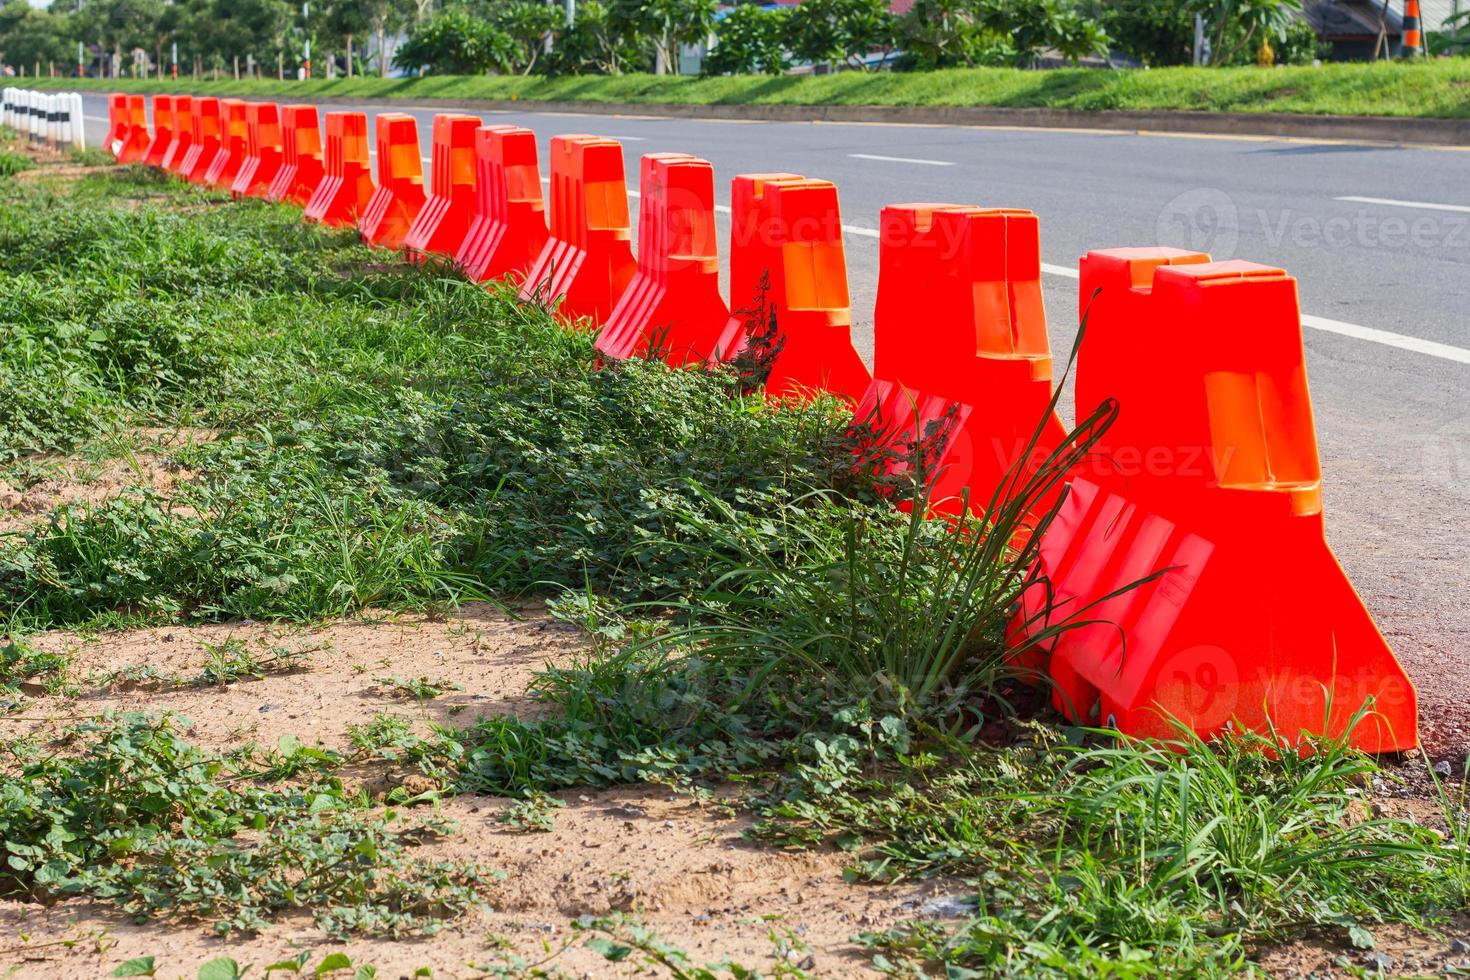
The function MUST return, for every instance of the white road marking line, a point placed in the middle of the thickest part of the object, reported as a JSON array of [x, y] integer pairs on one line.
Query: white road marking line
[[883, 159], [1374, 335], [101, 119], [1060, 270], [1422, 205]]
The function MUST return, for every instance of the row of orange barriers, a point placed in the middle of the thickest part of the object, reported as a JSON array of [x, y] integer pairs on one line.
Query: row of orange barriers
[[1185, 562]]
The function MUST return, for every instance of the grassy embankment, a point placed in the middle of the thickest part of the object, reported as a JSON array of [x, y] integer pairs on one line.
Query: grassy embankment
[[398, 437], [1439, 88]]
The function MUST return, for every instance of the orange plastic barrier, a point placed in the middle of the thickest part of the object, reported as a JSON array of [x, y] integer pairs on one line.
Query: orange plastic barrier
[[1104, 354], [117, 121], [400, 193], [347, 183], [441, 225], [789, 231], [509, 229], [263, 154], [206, 144], [587, 261], [898, 427], [235, 140], [163, 130], [1213, 501], [674, 301], [183, 135], [133, 146], [960, 316], [301, 158]]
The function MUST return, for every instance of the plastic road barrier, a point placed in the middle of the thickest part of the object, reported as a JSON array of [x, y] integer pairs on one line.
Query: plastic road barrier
[[787, 233], [960, 316], [263, 154], [440, 226], [163, 130], [400, 193], [673, 304], [301, 156], [587, 261], [235, 139], [347, 184], [1193, 568], [508, 229]]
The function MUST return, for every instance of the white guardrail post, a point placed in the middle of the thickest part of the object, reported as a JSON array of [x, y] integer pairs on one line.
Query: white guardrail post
[[55, 118]]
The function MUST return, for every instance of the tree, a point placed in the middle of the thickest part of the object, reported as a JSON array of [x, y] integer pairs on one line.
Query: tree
[[1037, 26], [950, 34], [599, 42], [528, 24], [944, 33], [666, 24], [454, 43], [841, 31], [1154, 32], [29, 36], [344, 22], [750, 40], [1234, 24]]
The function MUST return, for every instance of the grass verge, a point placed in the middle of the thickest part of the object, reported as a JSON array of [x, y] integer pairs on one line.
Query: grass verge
[[765, 624], [1429, 89]]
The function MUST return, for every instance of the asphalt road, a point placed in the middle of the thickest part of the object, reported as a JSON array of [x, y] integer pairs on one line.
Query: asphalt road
[[1378, 238]]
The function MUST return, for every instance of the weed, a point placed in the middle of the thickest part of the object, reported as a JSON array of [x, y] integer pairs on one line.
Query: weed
[[420, 689], [23, 667], [534, 814], [144, 820], [231, 661]]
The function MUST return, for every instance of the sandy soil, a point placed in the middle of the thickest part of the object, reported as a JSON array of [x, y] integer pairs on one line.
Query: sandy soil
[[680, 865], [1397, 951], [143, 461]]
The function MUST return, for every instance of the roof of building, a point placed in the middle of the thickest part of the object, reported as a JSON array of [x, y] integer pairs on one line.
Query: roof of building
[[1345, 19]]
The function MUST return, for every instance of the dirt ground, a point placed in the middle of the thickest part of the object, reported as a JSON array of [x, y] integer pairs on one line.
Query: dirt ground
[[680, 865]]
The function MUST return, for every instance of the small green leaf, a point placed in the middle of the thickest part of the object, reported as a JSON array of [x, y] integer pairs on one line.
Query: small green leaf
[[611, 951], [294, 964], [333, 963], [138, 966], [223, 968], [1360, 937]]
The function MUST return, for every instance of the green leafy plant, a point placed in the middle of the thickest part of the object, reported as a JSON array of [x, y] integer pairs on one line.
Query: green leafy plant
[[143, 819], [534, 814]]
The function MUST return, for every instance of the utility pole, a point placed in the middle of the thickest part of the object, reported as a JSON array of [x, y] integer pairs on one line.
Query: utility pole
[[306, 23], [173, 71], [81, 60]]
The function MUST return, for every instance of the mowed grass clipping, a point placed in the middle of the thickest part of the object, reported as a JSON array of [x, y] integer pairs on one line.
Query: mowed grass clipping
[[1438, 88], [760, 619]]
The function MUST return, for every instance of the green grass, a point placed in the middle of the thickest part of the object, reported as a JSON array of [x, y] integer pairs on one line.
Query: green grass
[[1429, 89], [760, 615]]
